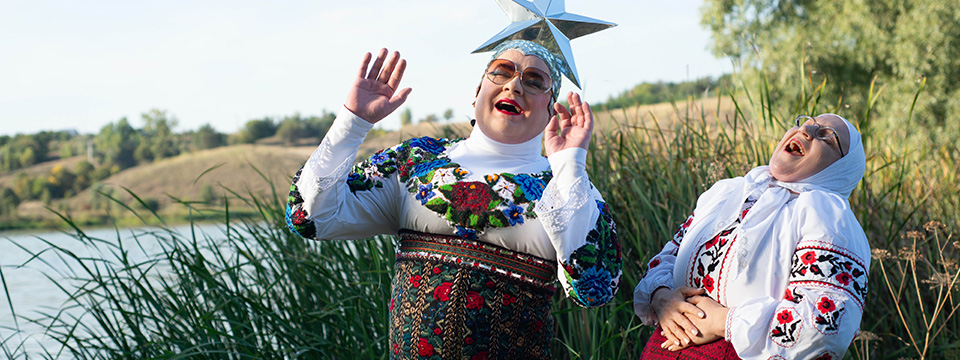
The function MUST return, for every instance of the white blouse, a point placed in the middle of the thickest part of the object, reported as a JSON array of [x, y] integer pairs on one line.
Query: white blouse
[[798, 294], [550, 219]]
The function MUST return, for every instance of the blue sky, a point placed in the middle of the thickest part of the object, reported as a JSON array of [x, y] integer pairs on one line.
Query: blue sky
[[83, 64]]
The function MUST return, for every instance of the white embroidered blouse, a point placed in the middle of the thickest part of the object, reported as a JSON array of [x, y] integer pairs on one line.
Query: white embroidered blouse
[[505, 194], [797, 293]]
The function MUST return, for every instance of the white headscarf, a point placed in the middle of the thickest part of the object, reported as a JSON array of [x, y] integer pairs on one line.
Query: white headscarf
[[720, 206], [843, 175]]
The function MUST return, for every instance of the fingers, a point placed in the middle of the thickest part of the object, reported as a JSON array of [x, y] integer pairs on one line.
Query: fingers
[[574, 100], [674, 334], [374, 72], [587, 116], [564, 115], [689, 291], [399, 98], [552, 126], [397, 74], [363, 66]]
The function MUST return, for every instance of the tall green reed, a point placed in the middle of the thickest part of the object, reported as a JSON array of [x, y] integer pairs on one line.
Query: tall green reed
[[255, 291], [259, 291]]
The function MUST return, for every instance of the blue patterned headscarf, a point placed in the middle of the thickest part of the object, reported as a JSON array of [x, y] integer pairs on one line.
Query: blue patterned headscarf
[[530, 48]]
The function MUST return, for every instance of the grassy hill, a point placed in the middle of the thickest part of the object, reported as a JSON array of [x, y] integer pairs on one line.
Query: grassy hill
[[210, 175]]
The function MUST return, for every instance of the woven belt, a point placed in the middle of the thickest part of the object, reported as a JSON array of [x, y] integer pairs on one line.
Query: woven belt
[[478, 255]]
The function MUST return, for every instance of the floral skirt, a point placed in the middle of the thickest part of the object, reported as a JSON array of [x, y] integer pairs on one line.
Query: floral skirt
[[460, 299], [720, 349]]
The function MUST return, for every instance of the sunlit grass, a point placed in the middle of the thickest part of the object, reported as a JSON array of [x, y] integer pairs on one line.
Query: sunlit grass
[[259, 291]]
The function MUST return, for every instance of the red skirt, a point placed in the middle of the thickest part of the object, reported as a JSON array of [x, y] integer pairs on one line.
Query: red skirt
[[720, 349]]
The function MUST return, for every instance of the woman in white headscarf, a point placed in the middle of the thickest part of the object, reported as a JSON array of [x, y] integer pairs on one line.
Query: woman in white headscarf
[[771, 265]]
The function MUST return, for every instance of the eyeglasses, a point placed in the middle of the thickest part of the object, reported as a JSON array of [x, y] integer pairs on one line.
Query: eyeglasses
[[823, 132], [533, 80]]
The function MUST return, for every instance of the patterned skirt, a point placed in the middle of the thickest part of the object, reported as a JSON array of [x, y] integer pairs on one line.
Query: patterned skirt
[[720, 349], [460, 299]]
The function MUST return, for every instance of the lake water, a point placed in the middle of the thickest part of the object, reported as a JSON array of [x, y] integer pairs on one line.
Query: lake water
[[33, 289]]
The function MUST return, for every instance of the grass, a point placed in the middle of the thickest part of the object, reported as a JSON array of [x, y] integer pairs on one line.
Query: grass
[[259, 291]]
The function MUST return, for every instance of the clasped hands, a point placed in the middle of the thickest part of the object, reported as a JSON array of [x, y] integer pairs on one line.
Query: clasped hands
[[687, 317]]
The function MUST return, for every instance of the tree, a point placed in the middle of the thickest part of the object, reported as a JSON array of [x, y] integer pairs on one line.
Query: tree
[[116, 144], [255, 130], [158, 135], [799, 43], [406, 117], [291, 129], [430, 119], [8, 202], [447, 114], [206, 137]]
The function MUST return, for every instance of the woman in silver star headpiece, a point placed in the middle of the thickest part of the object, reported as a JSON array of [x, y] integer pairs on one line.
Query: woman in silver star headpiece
[[487, 224]]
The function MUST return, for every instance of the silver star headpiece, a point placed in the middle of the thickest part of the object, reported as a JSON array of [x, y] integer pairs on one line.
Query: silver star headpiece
[[546, 23]]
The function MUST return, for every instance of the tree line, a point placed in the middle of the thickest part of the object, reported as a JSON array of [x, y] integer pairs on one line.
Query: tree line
[[119, 146]]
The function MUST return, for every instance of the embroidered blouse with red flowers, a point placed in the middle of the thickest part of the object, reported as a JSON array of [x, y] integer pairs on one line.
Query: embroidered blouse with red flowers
[[789, 261]]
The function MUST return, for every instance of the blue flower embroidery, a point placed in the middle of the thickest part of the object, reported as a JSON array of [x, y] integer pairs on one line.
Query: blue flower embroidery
[[424, 168], [531, 186], [379, 158], [465, 233], [593, 287], [514, 214], [424, 193], [427, 143]]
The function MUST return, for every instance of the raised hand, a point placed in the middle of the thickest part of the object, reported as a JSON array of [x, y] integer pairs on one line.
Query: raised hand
[[569, 129], [374, 93], [674, 314]]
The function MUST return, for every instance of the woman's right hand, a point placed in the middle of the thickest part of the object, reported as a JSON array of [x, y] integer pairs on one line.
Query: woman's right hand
[[672, 309], [374, 93]]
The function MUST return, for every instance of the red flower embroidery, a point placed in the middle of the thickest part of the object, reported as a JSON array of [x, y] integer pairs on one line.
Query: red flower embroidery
[[425, 349], [415, 280], [491, 284], [712, 242], [686, 224], [826, 305], [396, 348], [844, 278], [653, 263], [437, 331], [443, 292], [436, 270], [708, 283], [788, 295], [483, 355], [299, 217], [509, 299], [474, 300], [391, 304], [785, 317], [808, 258], [470, 196], [468, 340]]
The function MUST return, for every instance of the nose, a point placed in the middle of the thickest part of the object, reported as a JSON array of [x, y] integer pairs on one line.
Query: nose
[[514, 85], [808, 131]]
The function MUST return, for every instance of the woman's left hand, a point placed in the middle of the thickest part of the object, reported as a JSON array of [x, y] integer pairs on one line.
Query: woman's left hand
[[712, 326], [569, 128]]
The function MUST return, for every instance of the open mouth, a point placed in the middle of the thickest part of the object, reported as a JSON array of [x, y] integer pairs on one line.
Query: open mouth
[[793, 147], [508, 106]]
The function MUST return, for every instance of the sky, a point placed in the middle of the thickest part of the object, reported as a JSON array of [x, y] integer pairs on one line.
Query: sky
[[83, 64]]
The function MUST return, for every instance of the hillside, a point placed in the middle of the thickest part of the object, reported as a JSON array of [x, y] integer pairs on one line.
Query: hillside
[[188, 176]]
